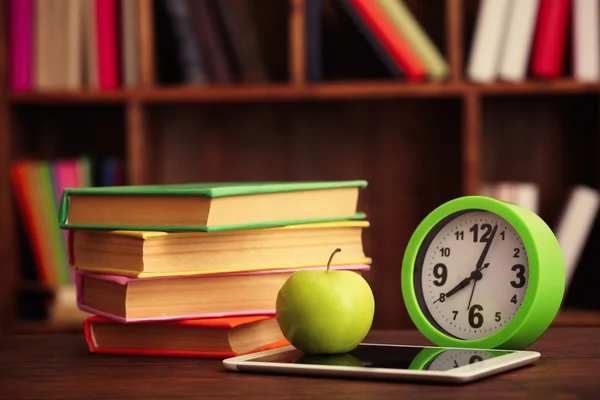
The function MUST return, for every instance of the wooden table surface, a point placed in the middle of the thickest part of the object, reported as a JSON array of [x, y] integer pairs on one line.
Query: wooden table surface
[[60, 367]]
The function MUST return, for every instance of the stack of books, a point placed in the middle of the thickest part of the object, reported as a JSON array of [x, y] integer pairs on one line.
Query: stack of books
[[195, 269]]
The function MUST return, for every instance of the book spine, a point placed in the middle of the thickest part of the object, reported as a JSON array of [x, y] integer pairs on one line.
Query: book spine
[[550, 40], [515, 57], [23, 192], [21, 43], [586, 35], [489, 33], [106, 28], [419, 41], [376, 44], [394, 43]]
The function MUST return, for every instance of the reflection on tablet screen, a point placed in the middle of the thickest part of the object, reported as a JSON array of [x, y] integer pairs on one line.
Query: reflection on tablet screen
[[392, 357]]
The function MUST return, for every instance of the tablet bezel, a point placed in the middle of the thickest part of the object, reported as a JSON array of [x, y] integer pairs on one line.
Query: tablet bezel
[[466, 373]]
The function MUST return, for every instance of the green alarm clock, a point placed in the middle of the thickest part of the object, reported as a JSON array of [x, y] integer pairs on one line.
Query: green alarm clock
[[483, 273]]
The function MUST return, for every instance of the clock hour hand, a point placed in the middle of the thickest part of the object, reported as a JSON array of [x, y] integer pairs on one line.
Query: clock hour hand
[[461, 285], [475, 275]]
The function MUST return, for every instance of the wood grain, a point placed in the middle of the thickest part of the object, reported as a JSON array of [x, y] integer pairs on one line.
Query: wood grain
[[471, 144], [137, 145], [339, 90], [454, 38], [62, 367], [146, 42], [297, 40]]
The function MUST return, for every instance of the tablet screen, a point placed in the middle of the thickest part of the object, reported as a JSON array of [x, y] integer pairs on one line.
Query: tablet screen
[[391, 357]]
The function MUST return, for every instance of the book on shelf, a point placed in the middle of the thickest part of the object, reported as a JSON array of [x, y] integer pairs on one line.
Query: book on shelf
[[575, 226], [209, 206], [516, 40], [197, 42], [396, 36], [214, 41], [525, 194], [207, 338], [37, 187], [150, 253]]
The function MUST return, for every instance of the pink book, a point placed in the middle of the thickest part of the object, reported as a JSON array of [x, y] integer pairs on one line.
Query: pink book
[[21, 45], [130, 300], [106, 30]]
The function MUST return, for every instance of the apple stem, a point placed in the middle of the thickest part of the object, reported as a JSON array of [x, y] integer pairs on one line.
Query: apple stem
[[331, 258]]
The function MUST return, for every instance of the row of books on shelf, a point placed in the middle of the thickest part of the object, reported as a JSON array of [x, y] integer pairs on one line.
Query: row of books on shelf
[[194, 269], [219, 41], [215, 42], [519, 39]]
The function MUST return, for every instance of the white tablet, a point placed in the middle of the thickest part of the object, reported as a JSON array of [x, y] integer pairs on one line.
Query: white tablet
[[386, 361]]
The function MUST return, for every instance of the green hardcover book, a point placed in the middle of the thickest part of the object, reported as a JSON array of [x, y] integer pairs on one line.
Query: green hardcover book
[[209, 207], [414, 34]]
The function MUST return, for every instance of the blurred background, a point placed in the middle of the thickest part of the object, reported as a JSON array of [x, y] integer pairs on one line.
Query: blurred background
[[427, 100]]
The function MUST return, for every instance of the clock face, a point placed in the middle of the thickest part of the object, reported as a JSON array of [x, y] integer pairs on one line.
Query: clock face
[[457, 358], [471, 274]]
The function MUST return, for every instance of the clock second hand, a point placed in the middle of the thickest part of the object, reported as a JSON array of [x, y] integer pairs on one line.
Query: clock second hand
[[477, 273]]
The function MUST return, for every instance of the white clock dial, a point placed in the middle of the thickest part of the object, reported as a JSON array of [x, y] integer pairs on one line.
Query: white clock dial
[[457, 358], [474, 275]]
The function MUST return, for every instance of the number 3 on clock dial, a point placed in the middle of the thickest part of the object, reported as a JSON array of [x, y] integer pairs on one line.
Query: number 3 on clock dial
[[474, 275]]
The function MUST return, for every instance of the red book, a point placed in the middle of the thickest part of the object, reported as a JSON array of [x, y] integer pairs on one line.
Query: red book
[[205, 338], [106, 31], [393, 42], [550, 38]]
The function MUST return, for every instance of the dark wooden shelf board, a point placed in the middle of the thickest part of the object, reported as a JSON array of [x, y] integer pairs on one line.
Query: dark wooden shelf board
[[234, 93], [310, 92], [337, 91], [59, 97], [536, 88]]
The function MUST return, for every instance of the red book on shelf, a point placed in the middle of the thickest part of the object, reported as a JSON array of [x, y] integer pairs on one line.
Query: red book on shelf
[[550, 38], [106, 31], [21, 44], [393, 42]]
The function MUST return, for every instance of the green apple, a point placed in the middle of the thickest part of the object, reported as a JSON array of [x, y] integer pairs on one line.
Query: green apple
[[342, 360], [325, 311]]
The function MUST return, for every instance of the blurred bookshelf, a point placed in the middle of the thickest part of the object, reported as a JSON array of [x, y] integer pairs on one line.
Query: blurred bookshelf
[[418, 143]]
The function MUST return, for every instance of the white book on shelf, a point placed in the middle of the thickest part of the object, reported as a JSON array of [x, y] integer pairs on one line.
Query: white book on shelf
[[575, 224], [526, 194], [586, 40], [515, 56], [486, 47]]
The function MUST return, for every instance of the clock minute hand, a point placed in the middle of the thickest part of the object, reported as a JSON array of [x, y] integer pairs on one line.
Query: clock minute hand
[[488, 244]]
